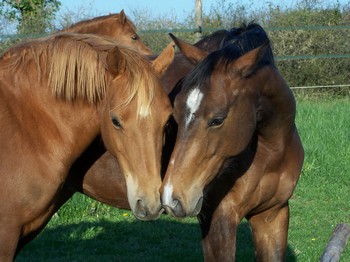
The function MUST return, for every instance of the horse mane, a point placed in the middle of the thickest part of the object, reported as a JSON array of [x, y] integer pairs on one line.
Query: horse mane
[[76, 65], [211, 42], [236, 43], [80, 27]]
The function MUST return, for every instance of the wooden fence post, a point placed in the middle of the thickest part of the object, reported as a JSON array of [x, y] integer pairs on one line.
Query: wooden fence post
[[198, 20], [336, 244]]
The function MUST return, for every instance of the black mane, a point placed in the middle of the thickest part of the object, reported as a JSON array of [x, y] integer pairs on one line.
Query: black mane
[[236, 43], [213, 41]]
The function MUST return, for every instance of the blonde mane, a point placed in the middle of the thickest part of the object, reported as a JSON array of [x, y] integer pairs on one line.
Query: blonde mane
[[76, 66]]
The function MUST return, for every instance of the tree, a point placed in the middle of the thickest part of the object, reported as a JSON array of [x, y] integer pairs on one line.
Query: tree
[[32, 16]]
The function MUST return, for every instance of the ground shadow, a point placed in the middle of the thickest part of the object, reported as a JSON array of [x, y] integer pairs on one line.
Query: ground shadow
[[129, 241]]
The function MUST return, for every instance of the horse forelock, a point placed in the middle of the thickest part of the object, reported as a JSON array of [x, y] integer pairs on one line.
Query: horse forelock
[[201, 72], [236, 43], [88, 61], [142, 83], [243, 39], [212, 42]]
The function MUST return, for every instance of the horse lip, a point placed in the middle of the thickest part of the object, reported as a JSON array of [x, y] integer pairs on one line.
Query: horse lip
[[161, 210], [144, 217], [168, 210], [141, 216], [198, 207]]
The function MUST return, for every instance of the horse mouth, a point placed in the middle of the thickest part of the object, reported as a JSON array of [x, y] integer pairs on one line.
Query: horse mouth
[[145, 215], [179, 212], [173, 213]]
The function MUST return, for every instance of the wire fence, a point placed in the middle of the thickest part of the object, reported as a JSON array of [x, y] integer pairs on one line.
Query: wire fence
[[309, 57]]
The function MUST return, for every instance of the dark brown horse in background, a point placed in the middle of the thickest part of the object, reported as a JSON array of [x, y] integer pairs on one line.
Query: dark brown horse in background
[[57, 95], [237, 153], [117, 26]]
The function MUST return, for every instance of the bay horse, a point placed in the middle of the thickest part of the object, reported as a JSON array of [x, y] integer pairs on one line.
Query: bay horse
[[116, 26], [57, 95], [237, 152]]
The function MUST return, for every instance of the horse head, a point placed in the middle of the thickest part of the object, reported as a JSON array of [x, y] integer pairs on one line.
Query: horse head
[[218, 111], [136, 113]]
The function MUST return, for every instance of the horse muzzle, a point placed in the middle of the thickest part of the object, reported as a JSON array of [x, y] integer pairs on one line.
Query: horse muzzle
[[176, 208], [143, 212]]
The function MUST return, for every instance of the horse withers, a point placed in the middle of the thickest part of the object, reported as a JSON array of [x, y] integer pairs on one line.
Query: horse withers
[[237, 153], [57, 94]]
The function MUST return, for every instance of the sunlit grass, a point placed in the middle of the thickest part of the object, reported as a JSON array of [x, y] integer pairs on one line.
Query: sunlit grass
[[85, 230]]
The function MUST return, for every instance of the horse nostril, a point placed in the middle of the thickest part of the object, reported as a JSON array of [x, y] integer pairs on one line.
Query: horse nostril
[[177, 208], [174, 203], [140, 210]]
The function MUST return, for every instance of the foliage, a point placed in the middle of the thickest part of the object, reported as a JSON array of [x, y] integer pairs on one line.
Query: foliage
[[226, 14], [33, 16], [298, 34], [310, 29]]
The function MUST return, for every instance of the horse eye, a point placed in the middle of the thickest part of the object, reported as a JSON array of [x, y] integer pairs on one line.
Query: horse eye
[[134, 37], [116, 123], [217, 121]]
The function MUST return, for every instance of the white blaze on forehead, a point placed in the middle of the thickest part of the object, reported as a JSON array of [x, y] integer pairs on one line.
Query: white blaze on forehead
[[193, 102]]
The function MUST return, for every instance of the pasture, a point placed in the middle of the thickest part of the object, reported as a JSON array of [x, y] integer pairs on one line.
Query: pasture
[[85, 230]]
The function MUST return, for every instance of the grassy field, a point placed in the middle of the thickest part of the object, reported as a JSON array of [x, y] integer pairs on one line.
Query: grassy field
[[85, 230]]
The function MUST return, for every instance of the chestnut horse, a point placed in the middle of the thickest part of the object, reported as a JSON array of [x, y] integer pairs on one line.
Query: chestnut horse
[[122, 30], [117, 26], [57, 95], [237, 153]]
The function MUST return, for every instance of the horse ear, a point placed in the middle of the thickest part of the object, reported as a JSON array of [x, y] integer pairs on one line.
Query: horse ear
[[161, 63], [246, 64], [122, 16], [115, 61], [191, 52]]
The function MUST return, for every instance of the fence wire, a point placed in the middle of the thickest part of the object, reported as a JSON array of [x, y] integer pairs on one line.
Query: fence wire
[[307, 56]]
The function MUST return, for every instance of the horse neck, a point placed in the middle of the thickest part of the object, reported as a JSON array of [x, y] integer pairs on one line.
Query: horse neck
[[178, 69], [90, 27], [276, 112], [52, 125]]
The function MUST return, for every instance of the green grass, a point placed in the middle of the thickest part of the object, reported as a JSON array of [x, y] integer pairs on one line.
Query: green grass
[[321, 199], [85, 230]]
